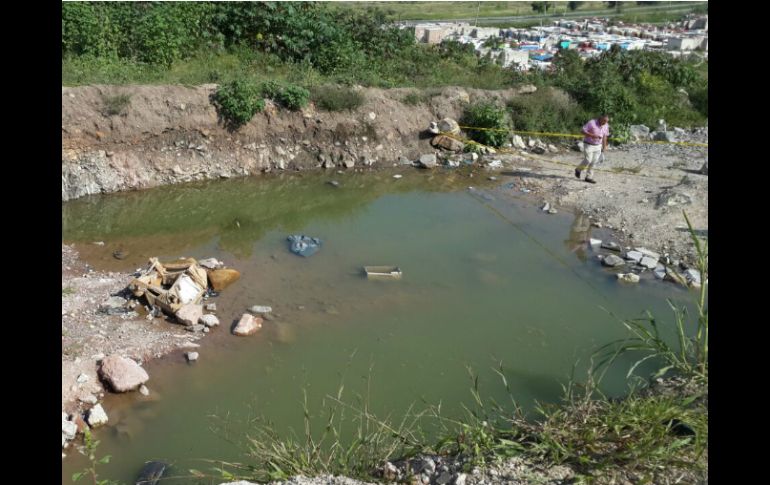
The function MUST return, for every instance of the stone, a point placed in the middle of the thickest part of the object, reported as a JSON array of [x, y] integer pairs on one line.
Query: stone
[[546, 207], [459, 479], [219, 279], [258, 309], [69, 429], [433, 128], [704, 170], [634, 256], [333, 183], [402, 160], [372, 115], [122, 374], [349, 163], [552, 211], [189, 314], [552, 148], [628, 277], [209, 320], [79, 422], [693, 277], [191, 356], [518, 142], [660, 272], [196, 328], [115, 305], [448, 125], [428, 160], [495, 164], [210, 263], [538, 150], [612, 261], [648, 253], [444, 478], [612, 246], [639, 132], [667, 136], [247, 325], [595, 243], [82, 379], [89, 399], [390, 472], [143, 390], [211, 307], [671, 197], [96, 416], [447, 143]]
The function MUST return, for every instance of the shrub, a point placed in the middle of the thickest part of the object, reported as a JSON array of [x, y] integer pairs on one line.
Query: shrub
[[487, 115], [293, 97], [238, 101], [546, 110], [333, 98], [413, 99], [116, 105], [270, 89]]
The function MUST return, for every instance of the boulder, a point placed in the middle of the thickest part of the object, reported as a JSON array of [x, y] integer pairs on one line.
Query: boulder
[[209, 320], [447, 143], [628, 277], [448, 125], [634, 256], [428, 160], [518, 142], [189, 314], [96, 416], [222, 278], [122, 374], [612, 261], [639, 132]]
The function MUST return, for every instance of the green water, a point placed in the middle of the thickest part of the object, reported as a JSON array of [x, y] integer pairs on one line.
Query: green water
[[488, 279]]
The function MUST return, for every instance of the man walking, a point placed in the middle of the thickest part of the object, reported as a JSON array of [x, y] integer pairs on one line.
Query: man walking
[[596, 132]]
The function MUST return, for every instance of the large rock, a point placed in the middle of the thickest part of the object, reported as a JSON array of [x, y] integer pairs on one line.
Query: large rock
[[247, 325], [69, 429], [448, 125], [518, 142], [612, 261], [97, 416], [628, 277], [122, 374], [189, 314], [649, 262], [639, 132], [222, 278], [634, 256], [667, 136], [447, 143], [428, 160]]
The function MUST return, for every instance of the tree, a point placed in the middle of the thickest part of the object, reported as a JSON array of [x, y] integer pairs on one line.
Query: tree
[[541, 7], [574, 5]]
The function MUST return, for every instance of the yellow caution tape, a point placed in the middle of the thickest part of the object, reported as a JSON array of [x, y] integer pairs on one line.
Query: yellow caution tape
[[569, 135], [546, 160]]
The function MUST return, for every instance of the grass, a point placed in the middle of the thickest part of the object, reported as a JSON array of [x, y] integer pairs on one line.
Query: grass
[[337, 98], [67, 291]]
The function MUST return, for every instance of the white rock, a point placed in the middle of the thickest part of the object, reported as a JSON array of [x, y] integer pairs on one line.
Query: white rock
[[89, 399], [209, 320], [595, 243], [372, 115], [96, 416], [143, 390], [648, 262], [83, 378], [189, 314], [628, 277], [210, 263], [247, 325], [495, 164], [546, 207], [69, 429], [191, 356], [634, 256], [647, 252], [397, 176], [258, 309]]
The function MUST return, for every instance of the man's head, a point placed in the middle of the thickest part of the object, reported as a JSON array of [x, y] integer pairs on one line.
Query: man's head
[[604, 119]]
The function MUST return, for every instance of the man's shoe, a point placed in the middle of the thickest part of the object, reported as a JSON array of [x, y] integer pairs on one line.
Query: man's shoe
[[577, 173], [590, 181]]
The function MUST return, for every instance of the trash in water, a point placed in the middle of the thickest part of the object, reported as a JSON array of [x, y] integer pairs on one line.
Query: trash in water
[[304, 245], [151, 473], [526, 191], [382, 272], [397, 176], [333, 183]]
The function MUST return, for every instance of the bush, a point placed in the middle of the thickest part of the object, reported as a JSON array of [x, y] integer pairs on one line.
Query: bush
[[116, 105], [486, 115], [270, 89], [546, 110], [238, 101], [293, 97], [413, 99], [332, 98]]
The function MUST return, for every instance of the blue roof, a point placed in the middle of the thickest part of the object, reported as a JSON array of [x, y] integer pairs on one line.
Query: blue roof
[[542, 57]]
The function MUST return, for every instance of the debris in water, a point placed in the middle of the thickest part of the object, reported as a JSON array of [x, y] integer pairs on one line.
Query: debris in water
[[397, 176], [304, 245]]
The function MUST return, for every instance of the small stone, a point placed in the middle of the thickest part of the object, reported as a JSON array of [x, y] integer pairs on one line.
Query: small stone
[[195, 328], [211, 307], [546, 207], [334, 183], [595, 243], [96, 416], [82, 379], [552, 211], [612, 261], [428, 160], [143, 390], [89, 399], [210, 263], [648, 262], [258, 309], [628, 277], [612, 246], [372, 116], [634, 256], [492, 178], [69, 429], [460, 479], [209, 320], [247, 325], [397, 176], [191, 356]]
